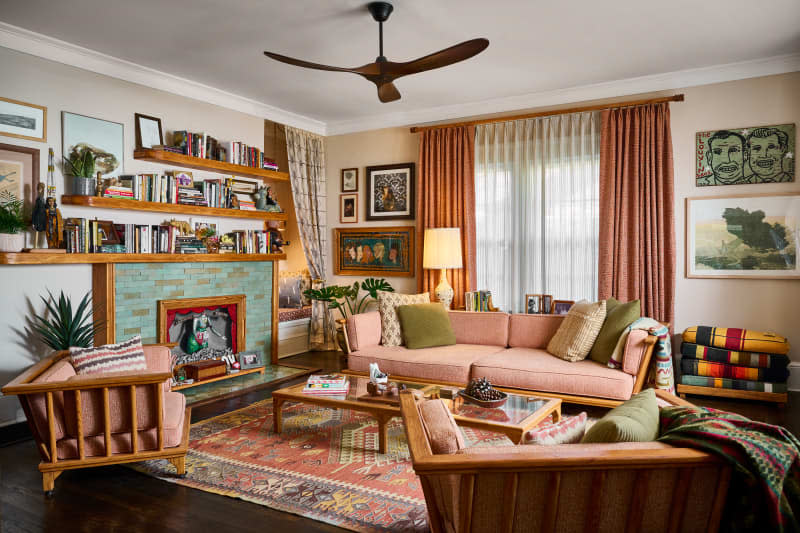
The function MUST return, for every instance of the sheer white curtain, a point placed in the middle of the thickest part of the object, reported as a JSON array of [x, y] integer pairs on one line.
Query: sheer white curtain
[[536, 207]]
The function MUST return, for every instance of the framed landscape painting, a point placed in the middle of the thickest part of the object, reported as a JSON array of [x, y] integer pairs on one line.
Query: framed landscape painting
[[390, 192], [749, 237], [19, 173], [376, 252]]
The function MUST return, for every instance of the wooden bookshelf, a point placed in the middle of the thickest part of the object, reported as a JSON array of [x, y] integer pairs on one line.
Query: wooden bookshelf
[[197, 163], [66, 259], [138, 205]]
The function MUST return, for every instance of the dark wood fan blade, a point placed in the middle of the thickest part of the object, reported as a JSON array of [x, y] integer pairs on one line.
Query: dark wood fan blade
[[387, 92], [300, 63], [439, 59]]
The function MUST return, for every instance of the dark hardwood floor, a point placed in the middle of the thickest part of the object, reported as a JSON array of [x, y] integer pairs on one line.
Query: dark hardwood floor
[[115, 498]]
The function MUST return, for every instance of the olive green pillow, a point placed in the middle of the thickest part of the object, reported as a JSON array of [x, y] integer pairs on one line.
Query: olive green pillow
[[425, 325], [618, 317], [634, 421]]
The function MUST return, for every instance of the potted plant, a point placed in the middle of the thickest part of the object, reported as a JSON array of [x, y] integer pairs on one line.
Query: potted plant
[[80, 166], [61, 328], [11, 223], [345, 299]]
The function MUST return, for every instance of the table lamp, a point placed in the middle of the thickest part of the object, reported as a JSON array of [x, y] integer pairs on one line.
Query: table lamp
[[442, 250]]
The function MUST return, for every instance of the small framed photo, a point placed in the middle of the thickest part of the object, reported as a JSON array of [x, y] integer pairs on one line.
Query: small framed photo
[[348, 208], [248, 360], [183, 178], [562, 307], [23, 120], [148, 131], [108, 234], [546, 306], [390, 192], [349, 180], [533, 304]]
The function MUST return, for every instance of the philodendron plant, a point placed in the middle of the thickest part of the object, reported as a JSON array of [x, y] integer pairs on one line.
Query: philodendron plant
[[80, 164], [346, 299]]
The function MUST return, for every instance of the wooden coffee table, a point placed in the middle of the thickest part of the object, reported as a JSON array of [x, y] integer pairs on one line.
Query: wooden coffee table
[[520, 413]]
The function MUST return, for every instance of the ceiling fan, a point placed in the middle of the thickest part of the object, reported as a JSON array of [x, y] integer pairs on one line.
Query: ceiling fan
[[383, 72]]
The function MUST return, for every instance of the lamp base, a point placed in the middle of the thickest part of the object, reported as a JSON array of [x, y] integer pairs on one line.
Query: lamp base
[[444, 292]]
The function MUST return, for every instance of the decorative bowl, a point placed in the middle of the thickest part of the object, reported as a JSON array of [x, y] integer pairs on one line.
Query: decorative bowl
[[484, 403]]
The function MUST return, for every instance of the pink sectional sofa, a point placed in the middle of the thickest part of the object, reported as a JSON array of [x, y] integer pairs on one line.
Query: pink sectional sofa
[[508, 350]]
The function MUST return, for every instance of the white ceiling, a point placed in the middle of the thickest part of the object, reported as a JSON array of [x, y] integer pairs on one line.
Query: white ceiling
[[537, 46]]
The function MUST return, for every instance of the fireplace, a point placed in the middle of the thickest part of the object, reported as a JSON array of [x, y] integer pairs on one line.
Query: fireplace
[[203, 328]]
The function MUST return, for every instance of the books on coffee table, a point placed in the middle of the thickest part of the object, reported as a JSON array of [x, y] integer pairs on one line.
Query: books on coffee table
[[327, 384]]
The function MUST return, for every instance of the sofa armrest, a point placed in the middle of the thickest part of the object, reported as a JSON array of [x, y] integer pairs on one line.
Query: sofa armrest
[[362, 331], [636, 358]]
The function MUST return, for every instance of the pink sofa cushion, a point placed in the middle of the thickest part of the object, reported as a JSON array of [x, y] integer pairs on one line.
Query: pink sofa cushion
[[532, 331], [489, 329], [59, 371], [535, 369], [442, 363], [159, 358], [443, 434], [634, 351], [364, 330]]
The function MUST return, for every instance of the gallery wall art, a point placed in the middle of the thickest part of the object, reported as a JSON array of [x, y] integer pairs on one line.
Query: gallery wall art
[[102, 137], [752, 237], [390, 192], [379, 252], [758, 154], [19, 173], [23, 120]]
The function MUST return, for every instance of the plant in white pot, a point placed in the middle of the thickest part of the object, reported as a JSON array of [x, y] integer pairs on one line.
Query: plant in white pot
[[11, 223], [80, 166]]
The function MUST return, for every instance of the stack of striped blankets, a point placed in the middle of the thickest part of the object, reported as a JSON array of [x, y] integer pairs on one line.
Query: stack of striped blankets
[[731, 358]]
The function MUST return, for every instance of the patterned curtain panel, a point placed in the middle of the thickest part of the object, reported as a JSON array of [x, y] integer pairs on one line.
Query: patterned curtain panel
[[536, 208], [307, 171]]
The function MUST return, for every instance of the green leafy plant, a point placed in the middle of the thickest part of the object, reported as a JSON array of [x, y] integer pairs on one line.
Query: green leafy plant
[[80, 164], [345, 297], [63, 328], [11, 219]]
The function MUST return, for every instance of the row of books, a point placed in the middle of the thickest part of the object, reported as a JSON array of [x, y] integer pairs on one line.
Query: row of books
[[249, 242], [168, 189], [478, 301], [327, 384], [207, 147]]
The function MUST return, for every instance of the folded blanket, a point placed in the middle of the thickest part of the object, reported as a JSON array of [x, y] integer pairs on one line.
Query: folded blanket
[[737, 339], [735, 384], [696, 367], [764, 493], [660, 375], [721, 355]]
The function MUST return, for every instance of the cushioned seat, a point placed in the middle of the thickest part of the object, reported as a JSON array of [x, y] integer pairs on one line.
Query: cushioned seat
[[535, 369], [442, 363]]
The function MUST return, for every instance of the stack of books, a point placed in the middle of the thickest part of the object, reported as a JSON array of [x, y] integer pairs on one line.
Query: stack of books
[[191, 196], [117, 191], [188, 244], [327, 384]]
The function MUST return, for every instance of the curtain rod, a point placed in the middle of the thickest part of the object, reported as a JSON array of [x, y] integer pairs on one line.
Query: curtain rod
[[673, 98]]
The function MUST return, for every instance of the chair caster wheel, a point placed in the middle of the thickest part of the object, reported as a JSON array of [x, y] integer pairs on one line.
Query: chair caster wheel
[[49, 494], [181, 476]]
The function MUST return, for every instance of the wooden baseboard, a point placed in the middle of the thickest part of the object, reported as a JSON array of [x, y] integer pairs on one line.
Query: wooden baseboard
[[775, 397], [14, 433]]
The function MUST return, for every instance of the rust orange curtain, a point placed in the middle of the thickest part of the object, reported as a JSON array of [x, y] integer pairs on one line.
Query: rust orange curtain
[[637, 226], [446, 199]]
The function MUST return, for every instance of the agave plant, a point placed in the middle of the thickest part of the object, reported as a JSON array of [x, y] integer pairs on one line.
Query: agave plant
[[81, 164], [63, 328], [345, 297]]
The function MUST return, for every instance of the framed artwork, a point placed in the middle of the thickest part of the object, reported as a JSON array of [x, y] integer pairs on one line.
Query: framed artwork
[[102, 137], [390, 192], [23, 120], [148, 131], [183, 178], [562, 307], [533, 304], [378, 252], [348, 208], [248, 360], [546, 306], [349, 180], [743, 236], [19, 173], [758, 154], [108, 234]]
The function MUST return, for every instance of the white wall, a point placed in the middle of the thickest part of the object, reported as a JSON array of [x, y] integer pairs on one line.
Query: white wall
[[64, 88]]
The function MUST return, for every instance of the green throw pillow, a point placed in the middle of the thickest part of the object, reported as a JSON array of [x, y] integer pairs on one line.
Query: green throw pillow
[[425, 325], [618, 317], [634, 421]]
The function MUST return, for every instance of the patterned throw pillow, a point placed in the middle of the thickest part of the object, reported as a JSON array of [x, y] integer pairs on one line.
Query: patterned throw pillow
[[119, 357], [390, 324], [567, 431], [578, 331]]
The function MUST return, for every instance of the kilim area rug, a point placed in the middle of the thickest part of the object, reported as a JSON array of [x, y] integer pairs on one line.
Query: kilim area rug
[[324, 465]]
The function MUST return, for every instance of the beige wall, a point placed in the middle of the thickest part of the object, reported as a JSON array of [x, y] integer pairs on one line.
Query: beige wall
[[359, 150], [772, 305]]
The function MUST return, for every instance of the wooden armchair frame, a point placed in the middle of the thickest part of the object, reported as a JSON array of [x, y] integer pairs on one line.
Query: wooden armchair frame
[[506, 466], [51, 466]]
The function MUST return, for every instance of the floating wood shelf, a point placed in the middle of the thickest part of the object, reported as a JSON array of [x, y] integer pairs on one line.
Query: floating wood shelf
[[138, 205], [65, 259], [777, 397], [198, 163]]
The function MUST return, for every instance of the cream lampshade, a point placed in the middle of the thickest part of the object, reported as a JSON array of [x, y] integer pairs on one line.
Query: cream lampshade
[[442, 250]]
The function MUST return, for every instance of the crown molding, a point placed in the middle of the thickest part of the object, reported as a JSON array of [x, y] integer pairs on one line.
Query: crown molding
[[644, 84], [39, 45]]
